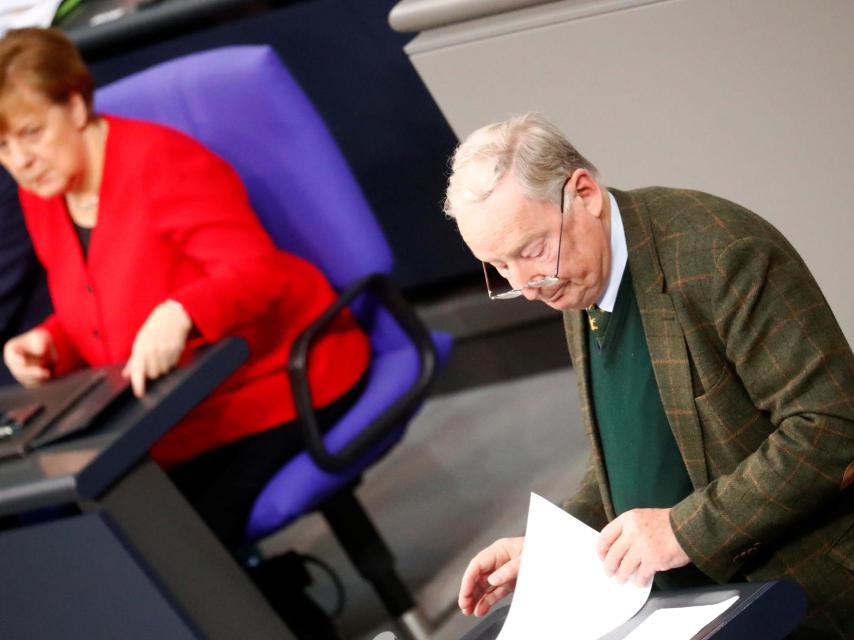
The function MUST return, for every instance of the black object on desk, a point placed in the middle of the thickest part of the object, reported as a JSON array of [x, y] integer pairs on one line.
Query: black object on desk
[[763, 611], [128, 529], [82, 468], [36, 417]]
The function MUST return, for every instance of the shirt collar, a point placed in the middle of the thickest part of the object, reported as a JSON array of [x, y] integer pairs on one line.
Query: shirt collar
[[619, 257]]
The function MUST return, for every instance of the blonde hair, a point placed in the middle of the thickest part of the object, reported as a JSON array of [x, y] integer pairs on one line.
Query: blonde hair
[[529, 147], [46, 61]]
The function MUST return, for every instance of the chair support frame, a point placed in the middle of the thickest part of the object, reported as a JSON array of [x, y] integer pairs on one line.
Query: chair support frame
[[380, 286]]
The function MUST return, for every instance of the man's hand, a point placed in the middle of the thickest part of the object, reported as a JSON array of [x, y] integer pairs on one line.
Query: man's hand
[[158, 345], [641, 541], [490, 576], [31, 356]]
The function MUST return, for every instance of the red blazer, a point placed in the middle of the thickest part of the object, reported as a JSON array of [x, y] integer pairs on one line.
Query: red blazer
[[174, 221]]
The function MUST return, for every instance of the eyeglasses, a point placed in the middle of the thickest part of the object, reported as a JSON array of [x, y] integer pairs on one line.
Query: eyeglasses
[[540, 282]]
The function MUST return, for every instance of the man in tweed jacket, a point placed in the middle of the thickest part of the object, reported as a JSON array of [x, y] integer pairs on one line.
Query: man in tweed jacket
[[755, 377]]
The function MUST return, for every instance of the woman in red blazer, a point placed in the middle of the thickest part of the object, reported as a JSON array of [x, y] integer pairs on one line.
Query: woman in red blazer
[[151, 249]]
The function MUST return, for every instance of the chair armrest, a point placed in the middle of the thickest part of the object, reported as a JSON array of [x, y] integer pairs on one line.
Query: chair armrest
[[382, 288]]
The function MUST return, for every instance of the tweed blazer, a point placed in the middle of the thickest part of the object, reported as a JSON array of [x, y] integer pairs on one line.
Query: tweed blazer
[[757, 382]]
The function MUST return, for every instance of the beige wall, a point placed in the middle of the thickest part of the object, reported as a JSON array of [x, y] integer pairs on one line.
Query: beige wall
[[751, 99]]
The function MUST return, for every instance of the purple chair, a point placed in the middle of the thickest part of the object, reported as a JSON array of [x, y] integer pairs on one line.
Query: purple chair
[[243, 104]]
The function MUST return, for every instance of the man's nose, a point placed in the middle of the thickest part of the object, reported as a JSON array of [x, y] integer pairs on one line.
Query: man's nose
[[517, 276], [520, 279]]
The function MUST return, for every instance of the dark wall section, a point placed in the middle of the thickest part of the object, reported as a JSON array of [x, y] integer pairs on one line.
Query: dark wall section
[[352, 65]]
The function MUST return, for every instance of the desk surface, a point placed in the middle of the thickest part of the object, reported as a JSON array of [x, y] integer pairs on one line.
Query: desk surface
[[83, 468]]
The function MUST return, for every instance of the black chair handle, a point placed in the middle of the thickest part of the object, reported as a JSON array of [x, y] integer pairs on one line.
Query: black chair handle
[[382, 288]]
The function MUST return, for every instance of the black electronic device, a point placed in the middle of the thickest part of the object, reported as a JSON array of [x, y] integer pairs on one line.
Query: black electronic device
[[31, 418], [14, 420]]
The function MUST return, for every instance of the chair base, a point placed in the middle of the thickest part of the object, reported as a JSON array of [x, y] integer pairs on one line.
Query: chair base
[[416, 626], [371, 557], [283, 581]]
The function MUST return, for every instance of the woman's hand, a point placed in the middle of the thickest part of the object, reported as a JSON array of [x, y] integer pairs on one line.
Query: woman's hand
[[31, 356], [158, 345], [490, 576]]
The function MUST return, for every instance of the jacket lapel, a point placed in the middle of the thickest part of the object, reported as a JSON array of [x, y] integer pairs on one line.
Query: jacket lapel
[[578, 351], [664, 337]]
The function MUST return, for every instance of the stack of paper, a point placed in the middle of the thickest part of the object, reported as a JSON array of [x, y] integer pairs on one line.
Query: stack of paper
[[562, 584], [682, 622], [562, 589]]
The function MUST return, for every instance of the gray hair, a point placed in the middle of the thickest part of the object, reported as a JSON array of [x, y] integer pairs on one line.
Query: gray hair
[[528, 146]]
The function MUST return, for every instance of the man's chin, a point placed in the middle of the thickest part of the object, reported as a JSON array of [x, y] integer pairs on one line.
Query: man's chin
[[564, 301], [560, 302]]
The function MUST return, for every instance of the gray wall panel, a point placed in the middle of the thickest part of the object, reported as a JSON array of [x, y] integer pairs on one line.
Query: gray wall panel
[[751, 100]]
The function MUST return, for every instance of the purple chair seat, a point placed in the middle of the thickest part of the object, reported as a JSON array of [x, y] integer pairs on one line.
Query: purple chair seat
[[301, 485]]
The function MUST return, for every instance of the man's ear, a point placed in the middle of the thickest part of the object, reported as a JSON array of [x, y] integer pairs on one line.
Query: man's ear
[[590, 191]]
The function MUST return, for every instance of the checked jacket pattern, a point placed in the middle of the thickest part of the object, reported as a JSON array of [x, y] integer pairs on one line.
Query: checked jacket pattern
[[757, 382]]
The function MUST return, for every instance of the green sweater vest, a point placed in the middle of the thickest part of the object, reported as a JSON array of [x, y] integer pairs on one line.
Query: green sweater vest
[[644, 466]]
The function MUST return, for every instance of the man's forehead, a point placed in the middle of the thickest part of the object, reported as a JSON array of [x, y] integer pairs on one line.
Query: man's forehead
[[504, 200], [498, 226]]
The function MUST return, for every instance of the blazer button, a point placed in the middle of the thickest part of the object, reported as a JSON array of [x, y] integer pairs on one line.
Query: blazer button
[[88, 288], [96, 334], [749, 551]]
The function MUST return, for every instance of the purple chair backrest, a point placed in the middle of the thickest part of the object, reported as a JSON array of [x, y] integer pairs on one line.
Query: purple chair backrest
[[244, 104]]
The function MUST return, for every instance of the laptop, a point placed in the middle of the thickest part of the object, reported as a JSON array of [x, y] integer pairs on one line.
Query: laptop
[[32, 418]]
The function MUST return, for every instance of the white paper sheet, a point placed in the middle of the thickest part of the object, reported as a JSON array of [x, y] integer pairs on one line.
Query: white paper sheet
[[680, 623], [562, 589], [15, 14]]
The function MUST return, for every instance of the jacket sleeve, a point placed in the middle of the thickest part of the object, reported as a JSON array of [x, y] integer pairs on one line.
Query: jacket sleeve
[[201, 206], [586, 504], [788, 353]]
